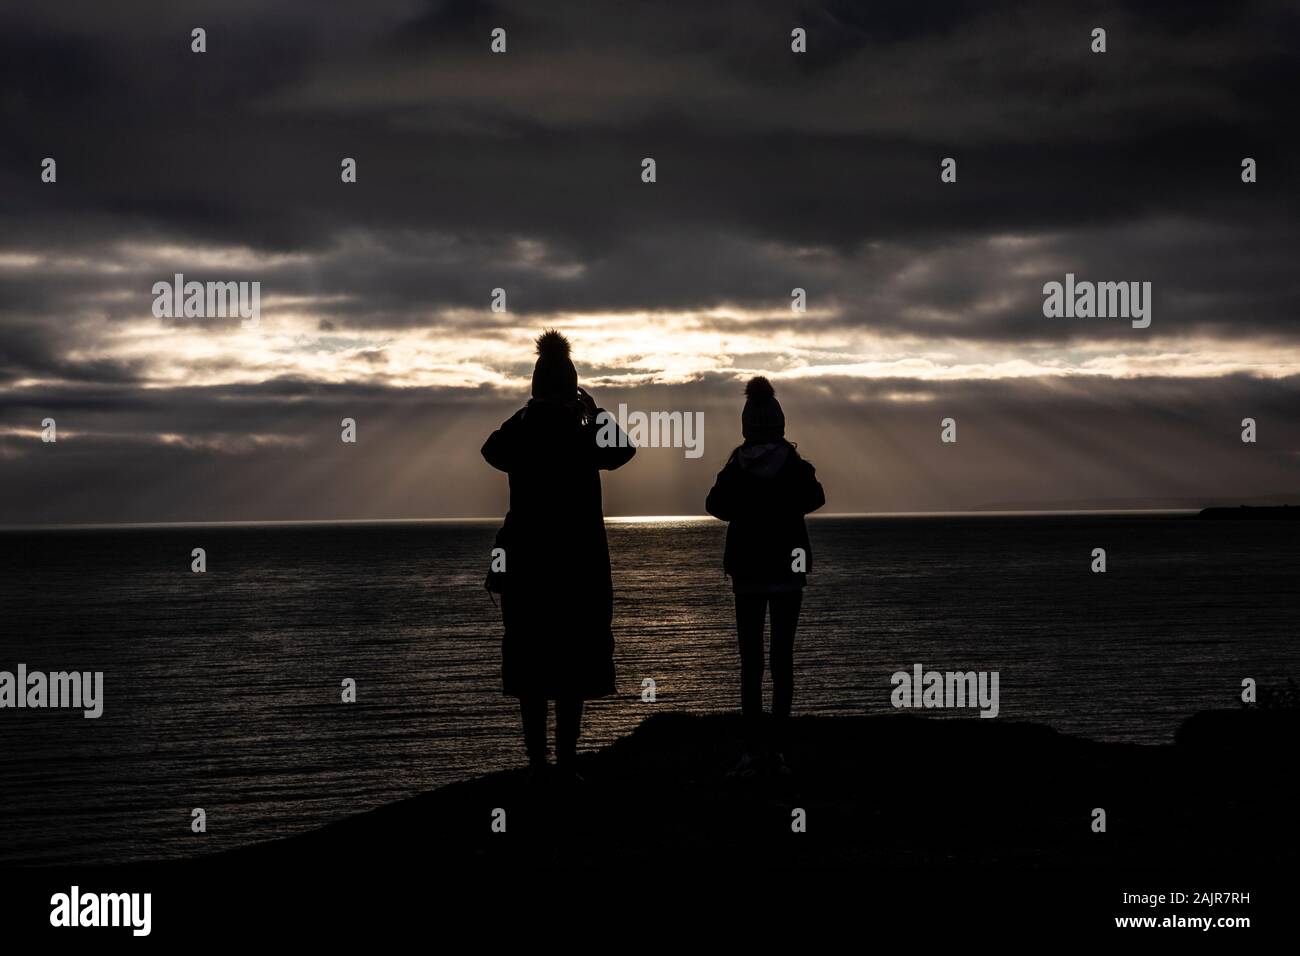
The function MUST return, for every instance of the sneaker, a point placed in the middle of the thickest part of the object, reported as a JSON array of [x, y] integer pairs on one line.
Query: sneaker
[[746, 768]]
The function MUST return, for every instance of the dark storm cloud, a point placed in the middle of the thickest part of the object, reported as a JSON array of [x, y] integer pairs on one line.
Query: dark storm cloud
[[1215, 280], [242, 144], [30, 349], [478, 171], [240, 147]]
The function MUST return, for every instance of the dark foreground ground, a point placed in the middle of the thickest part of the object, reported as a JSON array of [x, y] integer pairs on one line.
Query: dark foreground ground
[[917, 828], [877, 792]]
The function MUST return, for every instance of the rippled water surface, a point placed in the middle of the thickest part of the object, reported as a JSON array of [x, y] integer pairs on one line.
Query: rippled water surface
[[222, 690]]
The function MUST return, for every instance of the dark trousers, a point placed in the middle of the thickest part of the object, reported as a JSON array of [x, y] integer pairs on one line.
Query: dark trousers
[[751, 610], [568, 724]]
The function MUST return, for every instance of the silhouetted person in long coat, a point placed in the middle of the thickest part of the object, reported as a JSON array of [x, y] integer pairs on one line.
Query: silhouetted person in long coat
[[763, 492], [557, 600]]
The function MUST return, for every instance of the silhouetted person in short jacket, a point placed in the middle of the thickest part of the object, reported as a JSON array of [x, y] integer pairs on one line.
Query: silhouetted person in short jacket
[[557, 600], [763, 492]]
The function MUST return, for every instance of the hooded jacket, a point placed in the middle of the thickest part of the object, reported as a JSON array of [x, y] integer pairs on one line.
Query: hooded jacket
[[763, 493]]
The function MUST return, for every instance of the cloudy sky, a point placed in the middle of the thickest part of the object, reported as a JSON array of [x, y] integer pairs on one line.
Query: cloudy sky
[[522, 171]]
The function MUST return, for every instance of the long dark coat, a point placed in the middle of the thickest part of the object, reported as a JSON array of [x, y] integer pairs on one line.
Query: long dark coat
[[558, 598], [763, 492]]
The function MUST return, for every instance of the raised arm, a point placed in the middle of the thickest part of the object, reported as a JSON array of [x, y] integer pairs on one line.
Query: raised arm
[[499, 449], [613, 449]]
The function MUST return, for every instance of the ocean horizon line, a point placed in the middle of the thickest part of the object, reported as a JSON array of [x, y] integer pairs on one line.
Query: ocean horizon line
[[611, 519]]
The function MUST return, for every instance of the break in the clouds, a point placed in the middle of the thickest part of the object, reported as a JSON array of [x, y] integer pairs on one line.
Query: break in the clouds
[[521, 171]]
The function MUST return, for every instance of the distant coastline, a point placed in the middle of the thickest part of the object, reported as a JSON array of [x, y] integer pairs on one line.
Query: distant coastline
[[1252, 513]]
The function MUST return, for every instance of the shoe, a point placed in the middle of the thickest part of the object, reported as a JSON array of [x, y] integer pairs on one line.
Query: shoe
[[746, 768], [778, 766], [539, 774]]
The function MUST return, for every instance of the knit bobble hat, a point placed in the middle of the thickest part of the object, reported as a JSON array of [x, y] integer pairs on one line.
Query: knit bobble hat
[[762, 419], [554, 377]]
